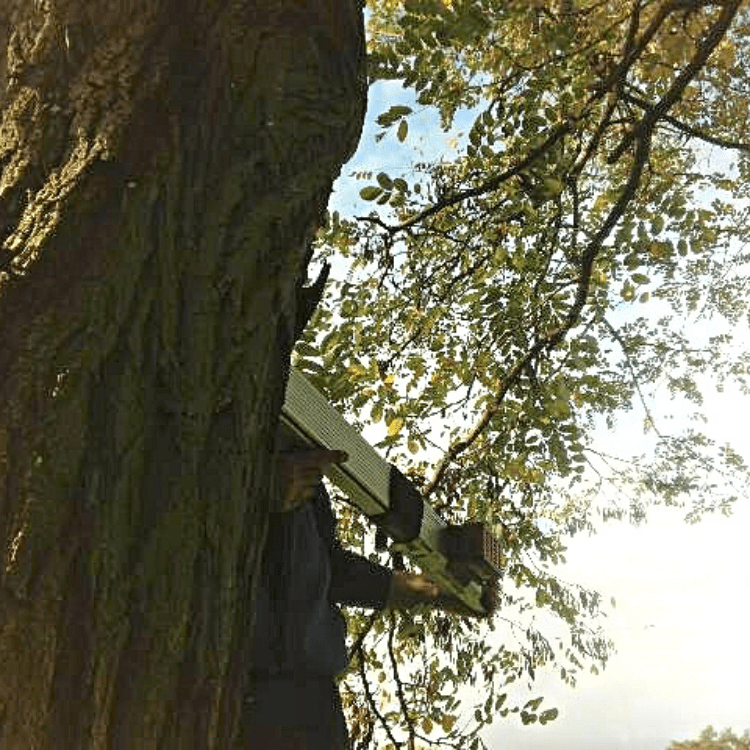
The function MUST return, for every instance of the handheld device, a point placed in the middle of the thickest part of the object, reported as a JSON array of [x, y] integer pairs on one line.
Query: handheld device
[[460, 558]]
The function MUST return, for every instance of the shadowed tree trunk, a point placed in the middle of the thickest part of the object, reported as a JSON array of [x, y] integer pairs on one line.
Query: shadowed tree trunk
[[162, 163]]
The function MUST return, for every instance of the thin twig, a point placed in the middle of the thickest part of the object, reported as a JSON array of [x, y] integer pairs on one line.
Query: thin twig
[[357, 647], [618, 338], [399, 683]]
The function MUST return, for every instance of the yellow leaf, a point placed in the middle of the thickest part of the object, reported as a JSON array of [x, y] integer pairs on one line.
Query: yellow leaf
[[395, 426], [447, 723]]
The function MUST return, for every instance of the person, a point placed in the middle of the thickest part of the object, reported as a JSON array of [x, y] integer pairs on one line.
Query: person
[[299, 640]]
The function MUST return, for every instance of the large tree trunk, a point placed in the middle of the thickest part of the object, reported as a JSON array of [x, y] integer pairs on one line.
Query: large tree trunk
[[163, 161]]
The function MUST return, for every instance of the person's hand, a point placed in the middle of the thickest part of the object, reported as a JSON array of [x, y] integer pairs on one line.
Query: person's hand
[[410, 589], [300, 473]]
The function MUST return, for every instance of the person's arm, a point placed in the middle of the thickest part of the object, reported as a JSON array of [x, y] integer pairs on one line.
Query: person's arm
[[355, 580]]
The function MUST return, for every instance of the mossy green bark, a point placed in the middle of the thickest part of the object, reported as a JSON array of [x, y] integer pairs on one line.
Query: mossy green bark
[[162, 165]]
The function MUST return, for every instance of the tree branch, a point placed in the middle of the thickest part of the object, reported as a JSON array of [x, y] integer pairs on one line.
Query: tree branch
[[714, 35], [491, 184], [553, 338], [636, 49], [615, 80], [690, 130], [371, 700]]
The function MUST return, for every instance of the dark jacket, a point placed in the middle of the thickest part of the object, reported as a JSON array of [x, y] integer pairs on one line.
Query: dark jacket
[[306, 574]]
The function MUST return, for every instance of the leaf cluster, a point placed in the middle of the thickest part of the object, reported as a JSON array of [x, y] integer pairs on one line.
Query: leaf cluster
[[583, 245], [710, 739]]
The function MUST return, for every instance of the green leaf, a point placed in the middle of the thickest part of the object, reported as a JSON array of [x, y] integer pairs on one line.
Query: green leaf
[[385, 181], [376, 413], [549, 715], [403, 130], [448, 722], [359, 401], [306, 350], [533, 704], [349, 308], [391, 115], [370, 193], [308, 365]]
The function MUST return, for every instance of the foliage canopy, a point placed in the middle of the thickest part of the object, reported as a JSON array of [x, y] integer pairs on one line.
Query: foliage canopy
[[581, 245], [710, 739]]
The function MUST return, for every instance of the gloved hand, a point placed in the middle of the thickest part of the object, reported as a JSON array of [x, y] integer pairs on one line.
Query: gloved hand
[[301, 471]]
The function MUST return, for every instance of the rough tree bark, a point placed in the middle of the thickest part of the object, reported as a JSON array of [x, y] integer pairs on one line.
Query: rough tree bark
[[162, 163]]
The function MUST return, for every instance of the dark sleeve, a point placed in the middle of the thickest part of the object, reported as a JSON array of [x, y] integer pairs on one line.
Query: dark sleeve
[[355, 581]]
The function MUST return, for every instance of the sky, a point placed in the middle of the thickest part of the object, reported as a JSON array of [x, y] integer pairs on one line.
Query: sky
[[682, 591], [680, 627]]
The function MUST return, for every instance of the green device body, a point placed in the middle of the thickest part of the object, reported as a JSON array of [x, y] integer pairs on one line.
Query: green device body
[[461, 559]]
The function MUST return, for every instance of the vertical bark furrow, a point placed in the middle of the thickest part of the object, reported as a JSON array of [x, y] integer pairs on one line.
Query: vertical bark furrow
[[156, 191]]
